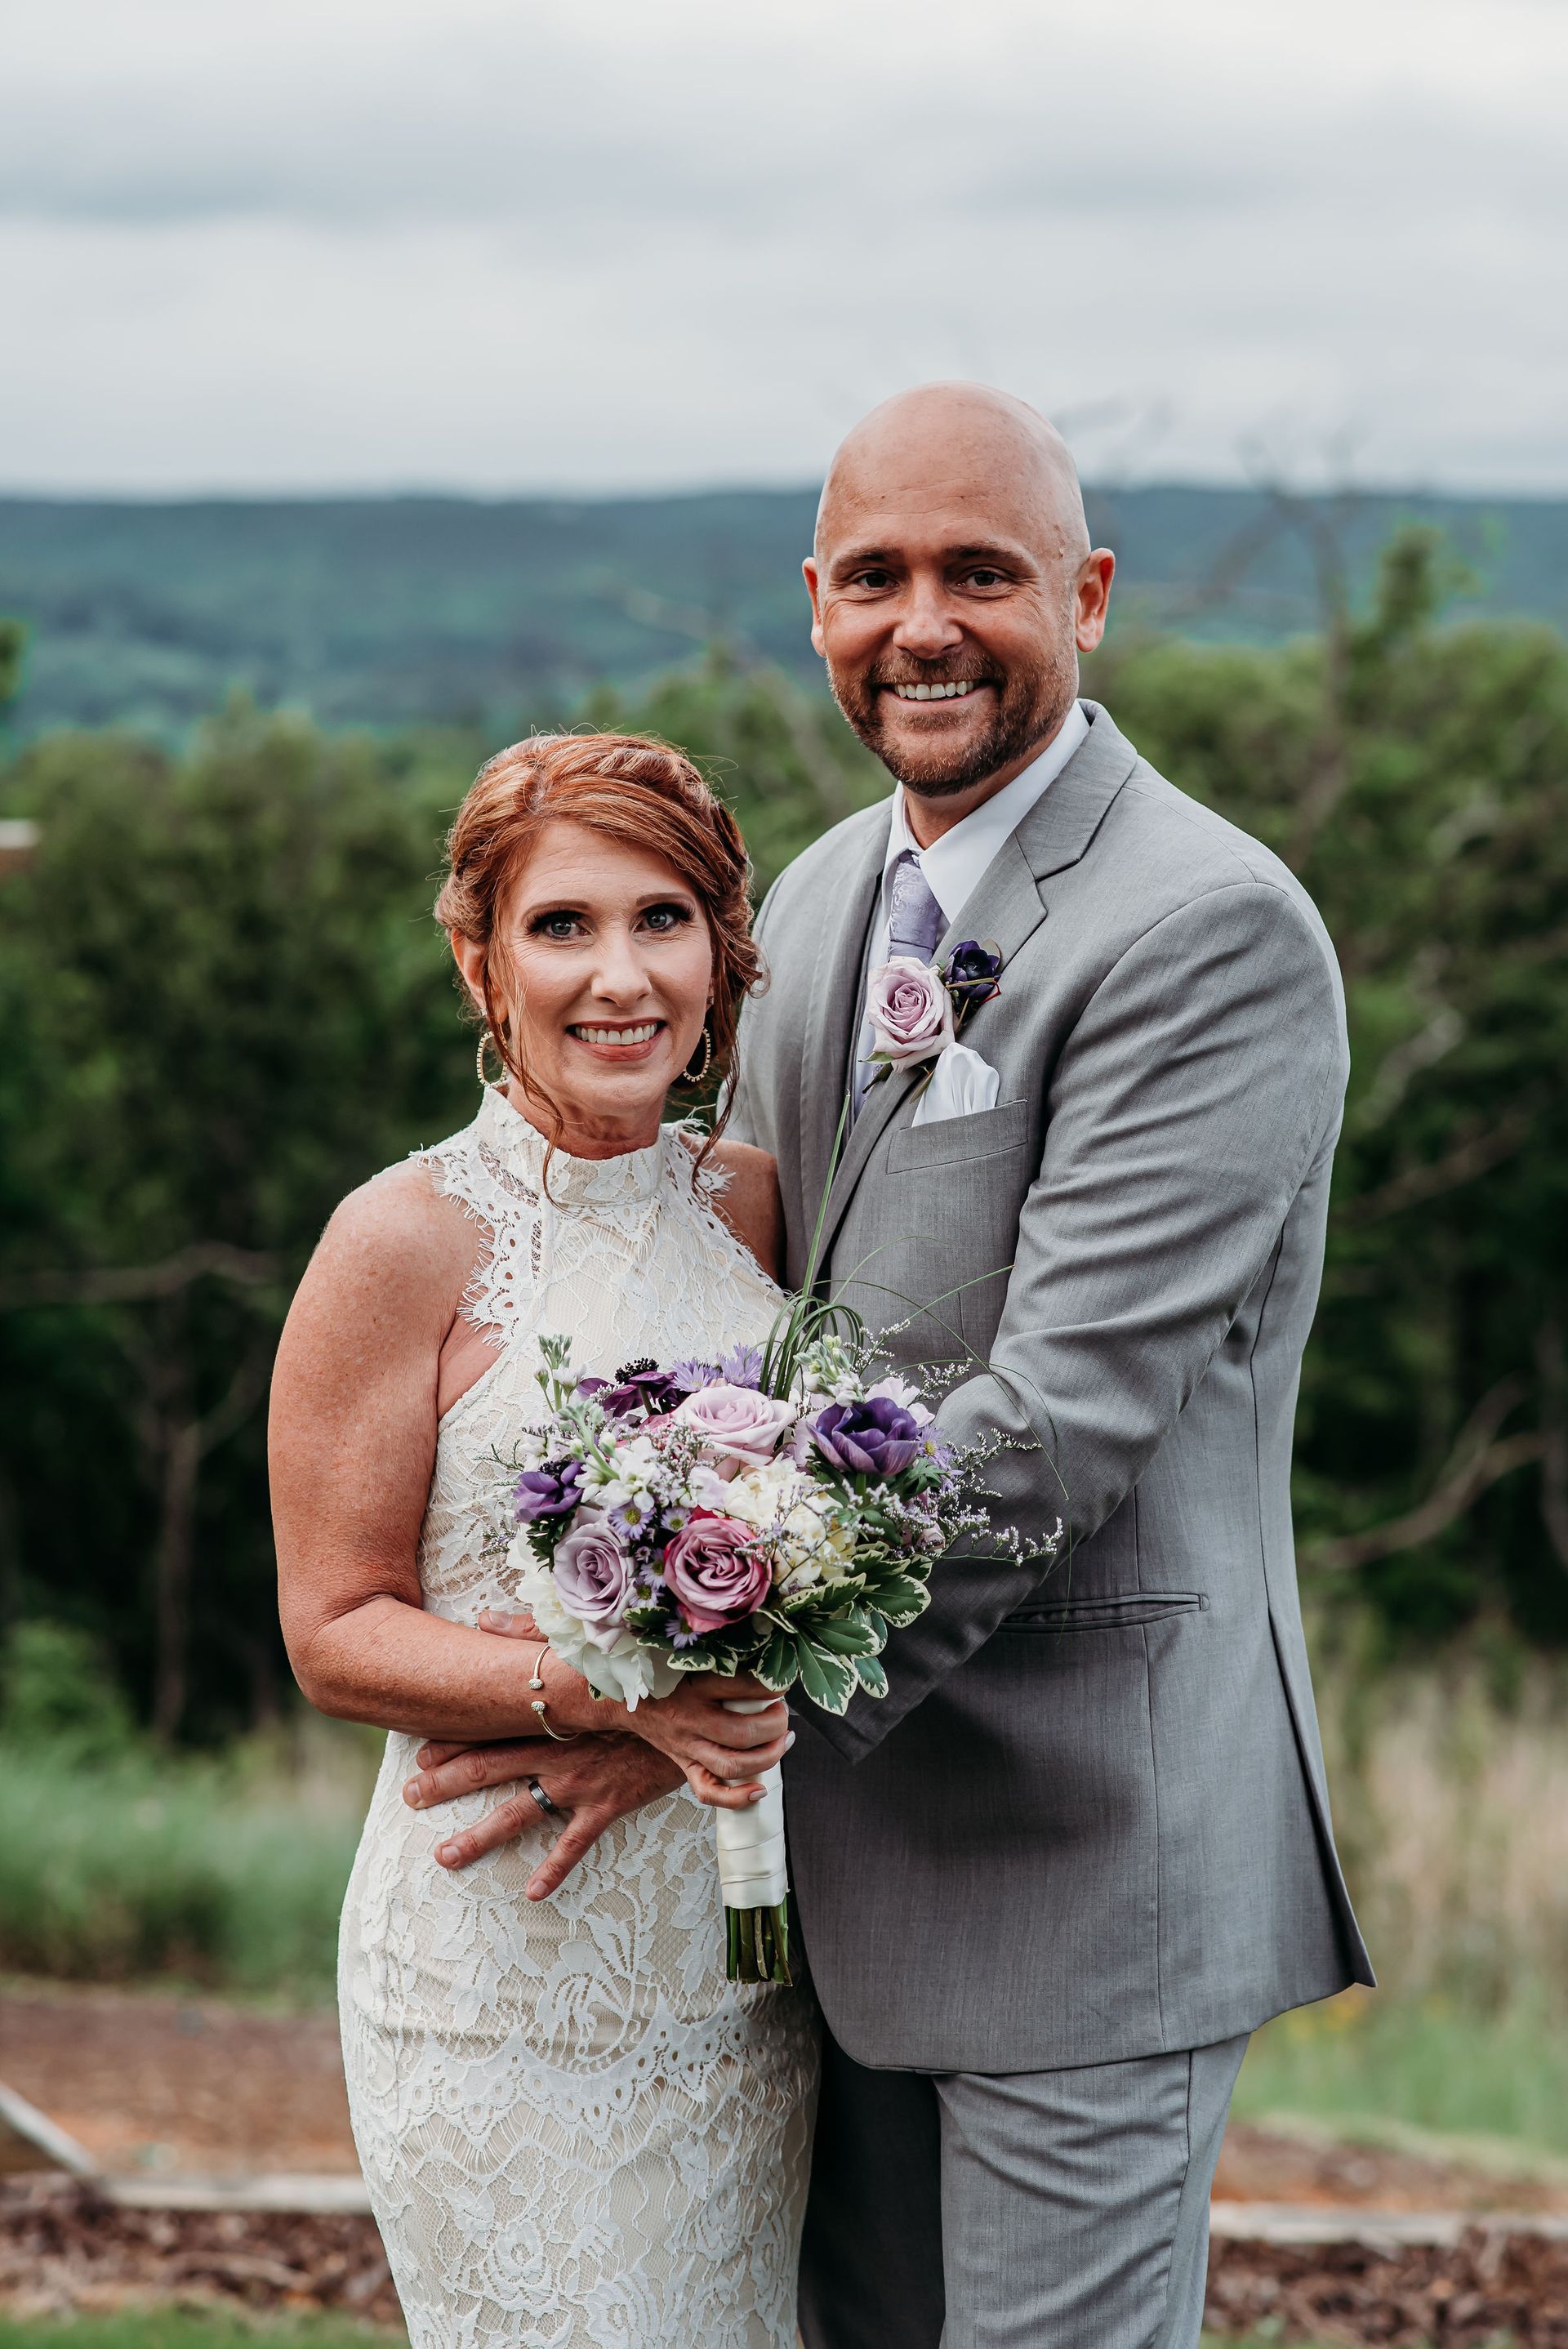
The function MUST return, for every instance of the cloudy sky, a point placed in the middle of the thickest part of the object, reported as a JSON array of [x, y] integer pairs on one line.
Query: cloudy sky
[[498, 244]]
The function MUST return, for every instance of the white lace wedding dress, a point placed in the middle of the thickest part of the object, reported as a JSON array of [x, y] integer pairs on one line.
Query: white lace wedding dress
[[576, 2135]]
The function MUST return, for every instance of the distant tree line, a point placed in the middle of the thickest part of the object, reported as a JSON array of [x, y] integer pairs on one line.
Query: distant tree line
[[223, 1003]]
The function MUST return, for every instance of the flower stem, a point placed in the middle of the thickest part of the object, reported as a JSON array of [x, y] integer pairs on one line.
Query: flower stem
[[758, 1944]]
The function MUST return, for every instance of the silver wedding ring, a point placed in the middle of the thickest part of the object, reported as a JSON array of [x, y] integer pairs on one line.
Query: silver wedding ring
[[551, 1810]]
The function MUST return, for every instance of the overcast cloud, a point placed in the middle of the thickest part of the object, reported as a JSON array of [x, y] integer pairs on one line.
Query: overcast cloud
[[603, 244]]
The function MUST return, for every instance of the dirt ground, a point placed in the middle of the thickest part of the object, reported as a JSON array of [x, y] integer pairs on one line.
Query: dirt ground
[[158, 2087], [152, 2085]]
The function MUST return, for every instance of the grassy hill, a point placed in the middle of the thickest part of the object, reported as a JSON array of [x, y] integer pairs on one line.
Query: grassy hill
[[397, 610]]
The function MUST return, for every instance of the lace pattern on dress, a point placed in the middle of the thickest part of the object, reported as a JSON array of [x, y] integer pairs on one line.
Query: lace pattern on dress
[[575, 2133]]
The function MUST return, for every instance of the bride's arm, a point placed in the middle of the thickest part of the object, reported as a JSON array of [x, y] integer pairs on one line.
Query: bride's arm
[[352, 1442]]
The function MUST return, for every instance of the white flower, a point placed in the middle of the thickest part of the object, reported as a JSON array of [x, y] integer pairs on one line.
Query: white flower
[[900, 1390], [816, 1539], [625, 1478], [625, 1670]]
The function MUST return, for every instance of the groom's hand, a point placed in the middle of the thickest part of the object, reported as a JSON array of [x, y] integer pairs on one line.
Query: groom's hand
[[591, 1782]]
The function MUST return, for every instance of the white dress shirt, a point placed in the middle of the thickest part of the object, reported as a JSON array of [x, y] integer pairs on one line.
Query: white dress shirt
[[954, 864]]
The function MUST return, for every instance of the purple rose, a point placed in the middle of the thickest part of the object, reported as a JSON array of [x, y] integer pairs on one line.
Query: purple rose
[[737, 1423], [911, 1012], [593, 1571], [553, 1491], [717, 1572], [874, 1438]]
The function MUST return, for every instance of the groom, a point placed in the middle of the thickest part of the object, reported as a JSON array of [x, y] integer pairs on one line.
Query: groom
[[1051, 1882]]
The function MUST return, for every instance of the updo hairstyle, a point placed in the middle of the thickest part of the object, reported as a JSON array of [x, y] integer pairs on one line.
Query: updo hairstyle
[[630, 788]]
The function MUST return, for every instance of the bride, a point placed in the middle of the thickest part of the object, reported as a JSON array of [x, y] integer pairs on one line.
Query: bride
[[575, 2131]]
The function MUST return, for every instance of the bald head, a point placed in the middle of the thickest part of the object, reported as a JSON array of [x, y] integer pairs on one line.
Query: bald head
[[983, 448], [953, 587]]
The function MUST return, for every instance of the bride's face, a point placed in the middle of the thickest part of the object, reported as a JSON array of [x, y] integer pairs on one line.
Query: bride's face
[[604, 959]]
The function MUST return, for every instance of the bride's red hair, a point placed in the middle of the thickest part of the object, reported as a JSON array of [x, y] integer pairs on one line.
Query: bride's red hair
[[630, 788]]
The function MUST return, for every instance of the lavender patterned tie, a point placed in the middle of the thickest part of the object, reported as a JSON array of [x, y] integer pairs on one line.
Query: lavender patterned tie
[[915, 921]]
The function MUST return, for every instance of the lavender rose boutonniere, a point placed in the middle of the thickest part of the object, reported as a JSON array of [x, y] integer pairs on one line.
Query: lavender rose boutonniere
[[916, 1009], [911, 1012]]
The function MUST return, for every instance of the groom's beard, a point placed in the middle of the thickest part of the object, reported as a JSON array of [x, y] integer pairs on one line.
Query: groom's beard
[[1030, 705]]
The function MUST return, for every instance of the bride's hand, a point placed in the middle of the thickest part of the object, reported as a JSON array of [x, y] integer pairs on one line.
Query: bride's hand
[[717, 1750], [721, 1754], [591, 1782]]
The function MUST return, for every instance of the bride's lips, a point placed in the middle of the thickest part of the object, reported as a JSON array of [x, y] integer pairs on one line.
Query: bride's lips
[[618, 1044]]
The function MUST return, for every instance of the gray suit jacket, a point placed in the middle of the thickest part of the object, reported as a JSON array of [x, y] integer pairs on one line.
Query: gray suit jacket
[[1089, 1821]]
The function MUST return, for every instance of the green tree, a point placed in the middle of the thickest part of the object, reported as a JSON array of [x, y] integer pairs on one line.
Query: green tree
[[1416, 778], [782, 757], [13, 644], [226, 1004]]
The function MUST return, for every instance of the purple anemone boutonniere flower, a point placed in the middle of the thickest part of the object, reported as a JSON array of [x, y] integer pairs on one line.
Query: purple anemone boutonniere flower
[[877, 1437], [971, 976]]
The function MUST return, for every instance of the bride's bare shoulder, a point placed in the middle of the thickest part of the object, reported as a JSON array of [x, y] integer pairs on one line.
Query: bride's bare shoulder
[[748, 1201], [397, 1243]]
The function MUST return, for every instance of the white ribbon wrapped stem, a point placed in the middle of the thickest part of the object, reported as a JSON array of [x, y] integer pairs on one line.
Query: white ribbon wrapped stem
[[752, 1873]]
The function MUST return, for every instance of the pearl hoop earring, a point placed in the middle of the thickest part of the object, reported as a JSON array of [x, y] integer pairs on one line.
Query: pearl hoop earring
[[488, 1044], [696, 1076]]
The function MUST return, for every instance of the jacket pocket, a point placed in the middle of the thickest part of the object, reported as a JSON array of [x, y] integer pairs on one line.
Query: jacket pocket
[[1122, 1611], [982, 1133]]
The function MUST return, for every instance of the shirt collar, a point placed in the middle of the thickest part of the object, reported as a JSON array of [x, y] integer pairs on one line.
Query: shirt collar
[[954, 864]]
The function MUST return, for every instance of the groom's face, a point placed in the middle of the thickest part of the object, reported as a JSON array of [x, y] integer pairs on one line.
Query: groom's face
[[950, 598]]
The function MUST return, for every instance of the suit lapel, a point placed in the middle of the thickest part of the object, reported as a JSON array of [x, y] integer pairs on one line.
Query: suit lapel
[[1006, 907], [834, 1016]]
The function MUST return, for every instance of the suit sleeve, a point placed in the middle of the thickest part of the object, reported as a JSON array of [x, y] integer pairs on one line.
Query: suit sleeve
[[1183, 1114]]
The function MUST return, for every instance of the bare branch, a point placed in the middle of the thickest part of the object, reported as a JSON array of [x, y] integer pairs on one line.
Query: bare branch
[[1553, 1438], [137, 1284], [1476, 1154], [246, 1388], [1479, 1459]]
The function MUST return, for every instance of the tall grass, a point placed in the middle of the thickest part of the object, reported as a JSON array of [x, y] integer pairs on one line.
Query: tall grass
[[118, 1862], [228, 1874], [1451, 1791]]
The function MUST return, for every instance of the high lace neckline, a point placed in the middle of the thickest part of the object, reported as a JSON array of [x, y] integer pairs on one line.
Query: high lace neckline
[[632, 1175]]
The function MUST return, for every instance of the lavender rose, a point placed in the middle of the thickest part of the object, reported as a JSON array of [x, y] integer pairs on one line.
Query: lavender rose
[[553, 1491], [911, 1012], [737, 1423], [717, 1572], [594, 1577], [874, 1438]]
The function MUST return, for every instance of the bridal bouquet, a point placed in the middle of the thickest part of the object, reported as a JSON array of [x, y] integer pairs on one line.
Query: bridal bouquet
[[775, 1513]]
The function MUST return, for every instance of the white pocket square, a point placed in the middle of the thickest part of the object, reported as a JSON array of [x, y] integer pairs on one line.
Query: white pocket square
[[961, 1083]]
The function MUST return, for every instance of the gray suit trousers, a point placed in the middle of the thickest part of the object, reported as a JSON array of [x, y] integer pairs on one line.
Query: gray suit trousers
[[1064, 2209]]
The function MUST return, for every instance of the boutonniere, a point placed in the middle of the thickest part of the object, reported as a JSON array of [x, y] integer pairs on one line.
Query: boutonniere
[[917, 1008]]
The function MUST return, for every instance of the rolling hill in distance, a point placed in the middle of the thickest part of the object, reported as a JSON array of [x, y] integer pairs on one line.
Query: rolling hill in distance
[[405, 610]]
